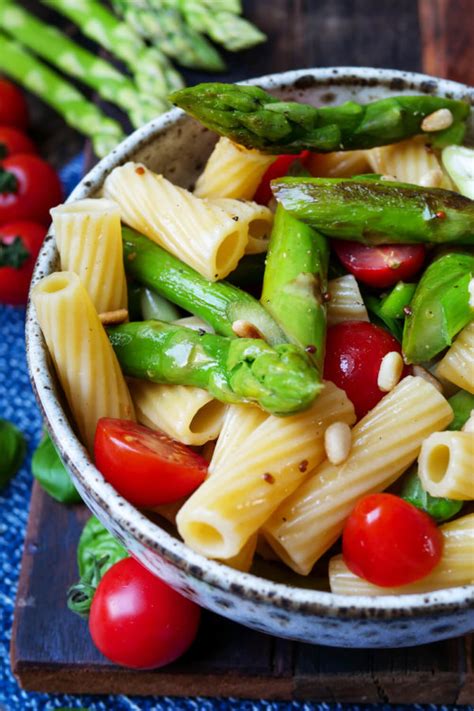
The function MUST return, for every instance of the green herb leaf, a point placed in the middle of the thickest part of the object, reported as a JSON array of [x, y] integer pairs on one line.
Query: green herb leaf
[[97, 544], [462, 404], [12, 449], [8, 182], [439, 508], [14, 254], [48, 469]]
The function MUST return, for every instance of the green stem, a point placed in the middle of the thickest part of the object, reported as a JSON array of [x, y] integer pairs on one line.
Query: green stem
[[14, 254]]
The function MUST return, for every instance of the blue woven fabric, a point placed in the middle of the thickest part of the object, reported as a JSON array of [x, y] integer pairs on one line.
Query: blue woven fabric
[[17, 404]]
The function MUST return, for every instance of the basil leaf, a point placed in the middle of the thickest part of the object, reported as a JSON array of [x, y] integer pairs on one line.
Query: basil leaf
[[439, 508], [48, 469], [97, 544], [12, 451]]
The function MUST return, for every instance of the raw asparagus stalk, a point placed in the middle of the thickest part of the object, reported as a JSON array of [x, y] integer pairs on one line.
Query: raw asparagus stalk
[[378, 211], [440, 307], [281, 380], [165, 27], [223, 26], [295, 283], [151, 69], [219, 303], [77, 111], [255, 119], [52, 45]]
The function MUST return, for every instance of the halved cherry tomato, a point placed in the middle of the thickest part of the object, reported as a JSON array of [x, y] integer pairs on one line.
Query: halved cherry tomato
[[12, 141], [13, 108], [20, 243], [380, 266], [29, 187], [145, 466], [278, 169], [390, 542], [354, 352], [138, 621]]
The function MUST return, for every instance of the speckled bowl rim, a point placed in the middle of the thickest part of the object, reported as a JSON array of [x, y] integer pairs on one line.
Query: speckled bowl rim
[[136, 524]]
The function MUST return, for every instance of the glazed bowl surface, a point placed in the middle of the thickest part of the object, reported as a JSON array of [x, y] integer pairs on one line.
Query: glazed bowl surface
[[178, 147]]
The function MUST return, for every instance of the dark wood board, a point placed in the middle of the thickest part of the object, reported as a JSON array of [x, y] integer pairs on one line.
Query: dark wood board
[[52, 651]]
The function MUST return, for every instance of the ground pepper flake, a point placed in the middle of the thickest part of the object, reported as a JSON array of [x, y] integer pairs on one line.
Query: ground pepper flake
[[269, 478], [302, 466]]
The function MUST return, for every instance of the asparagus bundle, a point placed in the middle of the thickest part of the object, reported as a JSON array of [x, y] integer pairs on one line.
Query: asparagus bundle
[[440, 308], [280, 379], [61, 95], [221, 22], [295, 282], [219, 303], [57, 48], [377, 211], [151, 69], [255, 119]]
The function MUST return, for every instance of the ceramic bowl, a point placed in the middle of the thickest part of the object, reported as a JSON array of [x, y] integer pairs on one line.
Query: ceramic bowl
[[178, 146]]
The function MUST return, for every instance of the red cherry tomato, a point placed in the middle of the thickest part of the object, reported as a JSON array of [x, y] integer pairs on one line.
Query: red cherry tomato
[[14, 141], [145, 466], [390, 542], [20, 243], [354, 352], [29, 188], [138, 621], [380, 266], [277, 169], [13, 108]]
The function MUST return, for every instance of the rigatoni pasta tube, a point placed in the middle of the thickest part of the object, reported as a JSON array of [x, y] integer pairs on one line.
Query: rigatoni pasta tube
[[455, 567], [244, 558], [457, 366], [89, 239], [233, 503], [187, 414], [199, 233], [384, 443], [345, 302], [238, 424], [232, 171], [410, 161], [256, 220], [338, 164], [85, 362], [446, 465]]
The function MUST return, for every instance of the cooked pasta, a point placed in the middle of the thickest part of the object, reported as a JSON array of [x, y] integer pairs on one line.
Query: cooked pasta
[[384, 443], [455, 567], [446, 465], [255, 219], [201, 234], [232, 171], [232, 504], [457, 366], [244, 558], [239, 423], [346, 302], [187, 414], [81, 352], [411, 161], [89, 240], [339, 164]]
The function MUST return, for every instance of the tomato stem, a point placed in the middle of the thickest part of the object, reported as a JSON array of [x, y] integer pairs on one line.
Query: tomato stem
[[13, 254], [8, 181]]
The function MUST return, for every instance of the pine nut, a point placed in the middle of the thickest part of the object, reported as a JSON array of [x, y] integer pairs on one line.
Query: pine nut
[[338, 442], [109, 317], [432, 178], [468, 426], [390, 371], [421, 372], [437, 121]]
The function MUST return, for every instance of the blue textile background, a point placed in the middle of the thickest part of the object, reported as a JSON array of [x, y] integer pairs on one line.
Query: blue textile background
[[17, 404]]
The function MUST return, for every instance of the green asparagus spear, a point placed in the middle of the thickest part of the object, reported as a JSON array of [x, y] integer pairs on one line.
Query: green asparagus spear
[[77, 111], [281, 379], [155, 306], [255, 119], [394, 303], [219, 303], [462, 404], [440, 307], [459, 164], [378, 211], [295, 283], [374, 307], [223, 26], [54, 46]]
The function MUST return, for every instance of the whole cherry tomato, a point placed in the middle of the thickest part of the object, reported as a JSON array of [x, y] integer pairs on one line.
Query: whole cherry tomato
[[13, 108], [380, 266], [14, 141], [29, 188], [390, 542], [354, 352], [20, 243], [278, 169], [138, 621], [145, 466]]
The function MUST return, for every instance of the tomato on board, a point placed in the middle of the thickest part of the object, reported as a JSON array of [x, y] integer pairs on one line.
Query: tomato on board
[[29, 188], [20, 243], [12, 141], [354, 352], [138, 621], [277, 169], [390, 542], [13, 108], [383, 265], [145, 466]]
